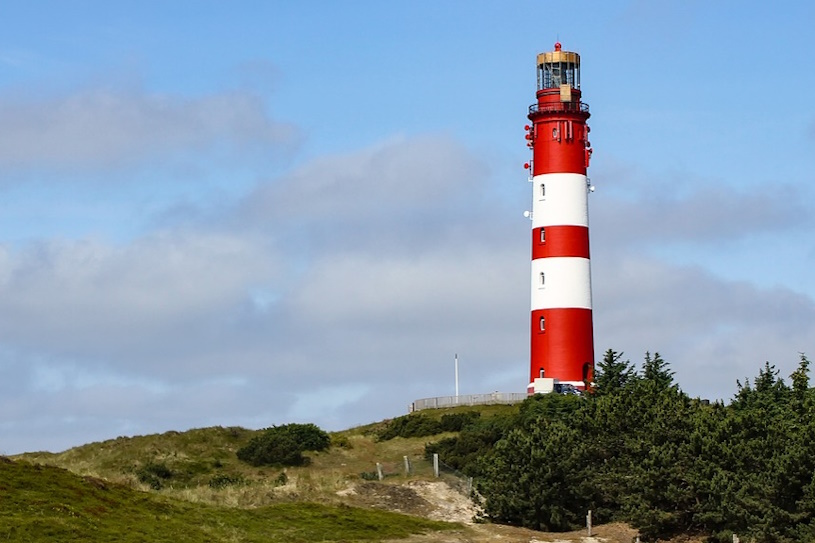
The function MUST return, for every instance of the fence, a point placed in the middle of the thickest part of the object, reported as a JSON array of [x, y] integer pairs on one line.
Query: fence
[[424, 468], [468, 399], [454, 478]]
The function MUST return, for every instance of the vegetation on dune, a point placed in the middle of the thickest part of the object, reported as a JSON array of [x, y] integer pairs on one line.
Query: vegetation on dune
[[639, 450], [636, 450], [284, 445], [422, 424], [44, 503], [178, 459]]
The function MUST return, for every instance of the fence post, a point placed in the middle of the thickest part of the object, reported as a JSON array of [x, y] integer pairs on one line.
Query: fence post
[[436, 464], [407, 465], [379, 471], [588, 523]]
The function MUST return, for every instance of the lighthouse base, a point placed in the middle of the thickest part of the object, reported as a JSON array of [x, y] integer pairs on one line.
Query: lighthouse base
[[548, 385]]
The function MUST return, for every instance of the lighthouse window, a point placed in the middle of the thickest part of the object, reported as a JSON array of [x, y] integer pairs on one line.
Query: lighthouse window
[[543, 279], [543, 324], [543, 190], [543, 235]]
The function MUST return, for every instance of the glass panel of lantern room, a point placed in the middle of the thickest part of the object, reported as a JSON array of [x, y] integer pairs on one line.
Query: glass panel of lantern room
[[570, 74]]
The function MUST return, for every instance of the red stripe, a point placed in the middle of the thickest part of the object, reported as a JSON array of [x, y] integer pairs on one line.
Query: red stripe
[[560, 134], [559, 155], [561, 241], [565, 346]]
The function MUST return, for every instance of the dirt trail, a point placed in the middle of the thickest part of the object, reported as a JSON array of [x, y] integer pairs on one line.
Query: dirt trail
[[437, 501]]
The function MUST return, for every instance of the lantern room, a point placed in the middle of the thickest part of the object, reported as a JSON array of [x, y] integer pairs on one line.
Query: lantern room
[[558, 68]]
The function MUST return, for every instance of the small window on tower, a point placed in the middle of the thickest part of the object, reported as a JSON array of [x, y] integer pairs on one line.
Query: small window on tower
[[543, 324], [543, 279], [543, 235], [543, 190]]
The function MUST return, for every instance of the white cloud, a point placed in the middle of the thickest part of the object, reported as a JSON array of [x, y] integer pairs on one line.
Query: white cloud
[[713, 331], [355, 279], [100, 128], [89, 298]]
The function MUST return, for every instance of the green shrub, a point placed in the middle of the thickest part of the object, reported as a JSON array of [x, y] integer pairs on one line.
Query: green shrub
[[223, 480], [154, 474], [455, 422], [309, 436], [284, 445], [413, 425], [463, 451], [281, 479]]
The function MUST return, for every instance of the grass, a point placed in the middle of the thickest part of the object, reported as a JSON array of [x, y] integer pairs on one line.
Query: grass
[[46, 503], [197, 457], [190, 486]]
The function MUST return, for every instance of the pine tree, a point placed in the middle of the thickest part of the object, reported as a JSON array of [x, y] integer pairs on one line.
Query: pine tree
[[613, 373], [657, 371]]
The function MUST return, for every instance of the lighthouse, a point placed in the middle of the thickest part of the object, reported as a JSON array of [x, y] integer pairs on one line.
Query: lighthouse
[[562, 337]]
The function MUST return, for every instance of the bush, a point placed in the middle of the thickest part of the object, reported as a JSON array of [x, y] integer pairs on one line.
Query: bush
[[309, 436], [463, 451], [284, 445], [154, 474], [281, 479], [414, 425], [455, 422], [223, 480]]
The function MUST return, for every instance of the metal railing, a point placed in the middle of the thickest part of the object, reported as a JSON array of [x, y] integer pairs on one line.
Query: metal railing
[[468, 399], [569, 107]]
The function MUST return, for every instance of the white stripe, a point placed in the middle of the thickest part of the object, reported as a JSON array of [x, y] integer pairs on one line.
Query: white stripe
[[565, 201], [567, 283]]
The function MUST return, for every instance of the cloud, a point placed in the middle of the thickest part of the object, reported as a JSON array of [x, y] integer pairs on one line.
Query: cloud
[[339, 293], [638, 208], [401, 265], [427, 175], [86, 298], [100, 128], [712, 330]]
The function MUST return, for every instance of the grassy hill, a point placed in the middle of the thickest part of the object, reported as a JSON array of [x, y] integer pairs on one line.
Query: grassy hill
[[190, 486], [202, 465], [46, 503]]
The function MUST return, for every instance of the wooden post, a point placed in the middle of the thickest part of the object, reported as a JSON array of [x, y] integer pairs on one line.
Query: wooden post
[[436, 464], [588, 523], [379, 471], [407, 465]]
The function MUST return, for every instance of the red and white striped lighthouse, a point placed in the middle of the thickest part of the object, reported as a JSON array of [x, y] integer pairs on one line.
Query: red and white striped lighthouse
[[562, 338]]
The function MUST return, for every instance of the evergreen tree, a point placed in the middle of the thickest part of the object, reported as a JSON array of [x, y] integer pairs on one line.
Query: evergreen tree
[[800, 381], [643, 452], [657, 371], [613, 373], [534, 478]]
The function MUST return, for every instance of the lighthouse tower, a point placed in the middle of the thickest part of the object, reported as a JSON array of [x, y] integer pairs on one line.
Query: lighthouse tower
[[562, 339]]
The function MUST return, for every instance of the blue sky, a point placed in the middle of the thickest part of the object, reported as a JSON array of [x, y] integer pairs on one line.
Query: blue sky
[[265, 212]]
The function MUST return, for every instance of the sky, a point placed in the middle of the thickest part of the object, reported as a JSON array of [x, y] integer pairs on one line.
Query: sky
[[254, 213]]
